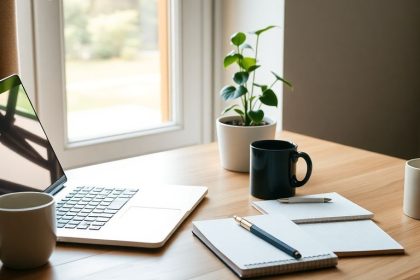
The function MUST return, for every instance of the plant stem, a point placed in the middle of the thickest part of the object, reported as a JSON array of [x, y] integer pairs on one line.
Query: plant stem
[[256, 55], [246, 112], [243, 98], [275, 81], [253, 74]]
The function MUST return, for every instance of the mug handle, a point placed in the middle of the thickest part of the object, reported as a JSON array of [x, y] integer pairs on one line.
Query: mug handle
[[295, 182]]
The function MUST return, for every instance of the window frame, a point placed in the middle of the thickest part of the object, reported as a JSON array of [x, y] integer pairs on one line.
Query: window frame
[[191, 80]]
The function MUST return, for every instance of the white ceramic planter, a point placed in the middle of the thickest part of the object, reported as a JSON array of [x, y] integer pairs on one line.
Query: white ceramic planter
[[234, 141]]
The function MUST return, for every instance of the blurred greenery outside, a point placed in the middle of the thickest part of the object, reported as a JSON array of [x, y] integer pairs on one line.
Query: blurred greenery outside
[[112, 58], [23, 104]]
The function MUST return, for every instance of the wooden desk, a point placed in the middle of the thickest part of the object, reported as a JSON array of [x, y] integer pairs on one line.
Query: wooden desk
[[372, 180]]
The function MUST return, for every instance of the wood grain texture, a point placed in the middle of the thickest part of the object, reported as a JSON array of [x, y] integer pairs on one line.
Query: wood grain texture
[[372, 180]]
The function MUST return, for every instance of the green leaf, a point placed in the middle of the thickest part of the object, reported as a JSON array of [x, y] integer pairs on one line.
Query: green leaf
[[247, 62], [228, 109], [256, 116], [232, 57], [240, 112], [227, 92], [241, 77], [241, 90], [283, 80], [245, 46], [263, 87], [253, 68], [238, 38], [269, 98], [229, 60], [230, 92], [258, 32]]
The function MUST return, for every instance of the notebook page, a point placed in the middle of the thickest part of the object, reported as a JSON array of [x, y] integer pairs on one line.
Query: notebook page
[[339, 209], [352, 238]]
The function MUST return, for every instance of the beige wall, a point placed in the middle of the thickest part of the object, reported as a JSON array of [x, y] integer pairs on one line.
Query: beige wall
[[356, 70], [8, 50]]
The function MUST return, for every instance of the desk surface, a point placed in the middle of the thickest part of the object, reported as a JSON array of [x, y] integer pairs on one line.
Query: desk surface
[[372, 180]]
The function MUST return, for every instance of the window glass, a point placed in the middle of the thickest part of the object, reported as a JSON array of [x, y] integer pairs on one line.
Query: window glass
[[116, 67]]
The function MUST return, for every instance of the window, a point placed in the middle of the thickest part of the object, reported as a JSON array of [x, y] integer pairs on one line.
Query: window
[[116, 67], [101, 96]]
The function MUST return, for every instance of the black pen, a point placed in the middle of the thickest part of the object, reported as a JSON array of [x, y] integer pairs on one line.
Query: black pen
[[267, 237]]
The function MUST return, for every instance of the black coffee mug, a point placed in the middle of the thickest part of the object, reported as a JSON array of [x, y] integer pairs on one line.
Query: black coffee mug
[[273, 169]]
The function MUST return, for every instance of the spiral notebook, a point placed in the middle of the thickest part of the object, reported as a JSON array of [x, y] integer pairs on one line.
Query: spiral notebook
[[249, 256], [339, 209]]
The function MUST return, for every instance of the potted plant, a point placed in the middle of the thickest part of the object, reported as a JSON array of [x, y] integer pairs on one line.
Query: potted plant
[[236, 132]]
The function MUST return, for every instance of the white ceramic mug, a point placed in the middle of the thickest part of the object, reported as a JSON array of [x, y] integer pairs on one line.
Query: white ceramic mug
[[27, 229], [411, 205]]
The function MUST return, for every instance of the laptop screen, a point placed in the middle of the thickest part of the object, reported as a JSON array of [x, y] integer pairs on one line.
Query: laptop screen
[[27, 160]]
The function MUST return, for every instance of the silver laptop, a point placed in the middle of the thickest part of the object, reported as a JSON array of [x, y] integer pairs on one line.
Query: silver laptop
[[143, 216]]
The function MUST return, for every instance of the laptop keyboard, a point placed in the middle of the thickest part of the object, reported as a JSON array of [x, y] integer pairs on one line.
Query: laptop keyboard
[[90, 208]]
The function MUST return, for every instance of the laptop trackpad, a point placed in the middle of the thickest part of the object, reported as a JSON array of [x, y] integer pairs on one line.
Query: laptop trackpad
[[148, 224]]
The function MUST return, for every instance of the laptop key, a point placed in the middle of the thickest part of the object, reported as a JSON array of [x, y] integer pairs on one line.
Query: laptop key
[[67, 217], [70, 226], [83, 226], [94, 227], [105, 215], [117, 204]]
